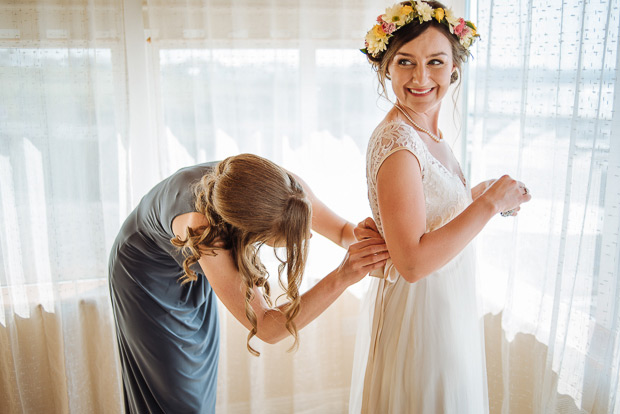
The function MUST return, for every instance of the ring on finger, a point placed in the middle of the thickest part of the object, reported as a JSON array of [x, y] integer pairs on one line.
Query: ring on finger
[[507, 213]]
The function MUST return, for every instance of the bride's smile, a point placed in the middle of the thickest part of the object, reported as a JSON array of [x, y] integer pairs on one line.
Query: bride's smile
[[421, 70]]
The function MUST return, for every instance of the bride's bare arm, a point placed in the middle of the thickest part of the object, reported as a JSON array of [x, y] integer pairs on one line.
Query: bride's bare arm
[[417, 254]]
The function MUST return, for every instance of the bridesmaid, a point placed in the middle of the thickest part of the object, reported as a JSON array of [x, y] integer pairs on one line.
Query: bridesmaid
[[196, 235]]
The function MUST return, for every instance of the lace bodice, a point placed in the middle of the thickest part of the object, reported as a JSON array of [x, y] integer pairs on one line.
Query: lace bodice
[[444, 192]]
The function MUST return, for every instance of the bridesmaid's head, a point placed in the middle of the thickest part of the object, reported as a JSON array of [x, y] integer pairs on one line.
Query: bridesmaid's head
[[250, 201]]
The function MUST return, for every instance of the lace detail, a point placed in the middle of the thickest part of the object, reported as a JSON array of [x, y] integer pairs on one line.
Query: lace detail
[[444, 192]]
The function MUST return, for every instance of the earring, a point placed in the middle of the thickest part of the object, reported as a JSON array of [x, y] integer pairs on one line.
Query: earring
[[454, 77]]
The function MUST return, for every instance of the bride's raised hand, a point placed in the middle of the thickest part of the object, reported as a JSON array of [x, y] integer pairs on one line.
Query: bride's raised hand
[[362, 258], [507, 194]]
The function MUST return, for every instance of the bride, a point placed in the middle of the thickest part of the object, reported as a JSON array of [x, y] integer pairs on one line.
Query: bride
[[420, 342]]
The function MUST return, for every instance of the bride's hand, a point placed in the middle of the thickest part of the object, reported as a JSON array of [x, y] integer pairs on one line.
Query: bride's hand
[[362, 258], [479, 189], [507, 194], [366, 229]]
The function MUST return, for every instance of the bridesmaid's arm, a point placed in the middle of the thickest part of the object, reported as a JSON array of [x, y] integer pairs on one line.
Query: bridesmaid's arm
[[326, 222], [223, 276]]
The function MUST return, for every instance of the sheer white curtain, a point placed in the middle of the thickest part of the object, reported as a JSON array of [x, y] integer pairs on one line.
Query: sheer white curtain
[[63, 130], [99, 100], [544, 106]]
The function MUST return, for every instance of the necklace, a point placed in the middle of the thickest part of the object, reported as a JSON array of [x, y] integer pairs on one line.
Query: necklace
[[415, 124]]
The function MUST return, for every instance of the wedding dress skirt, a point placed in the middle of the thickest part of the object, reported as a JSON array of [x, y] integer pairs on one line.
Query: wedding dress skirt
[[420, 346]]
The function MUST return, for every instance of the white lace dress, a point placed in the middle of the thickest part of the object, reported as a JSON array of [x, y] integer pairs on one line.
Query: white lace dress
[[420, 346]]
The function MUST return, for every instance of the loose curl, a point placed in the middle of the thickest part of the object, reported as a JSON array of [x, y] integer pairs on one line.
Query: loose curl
[[247, 201]]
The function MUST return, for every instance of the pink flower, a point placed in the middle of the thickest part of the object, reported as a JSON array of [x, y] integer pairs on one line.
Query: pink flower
[[388, 28], [380, 19], [459, 28]]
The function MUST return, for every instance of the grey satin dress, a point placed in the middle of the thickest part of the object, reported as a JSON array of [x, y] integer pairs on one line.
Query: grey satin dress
[[168, 333]]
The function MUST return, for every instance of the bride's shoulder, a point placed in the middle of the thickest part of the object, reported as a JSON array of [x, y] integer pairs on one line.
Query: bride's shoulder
[[393, 132]]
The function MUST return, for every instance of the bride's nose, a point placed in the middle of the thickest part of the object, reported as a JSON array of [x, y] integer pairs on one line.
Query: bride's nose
[[420, 74]]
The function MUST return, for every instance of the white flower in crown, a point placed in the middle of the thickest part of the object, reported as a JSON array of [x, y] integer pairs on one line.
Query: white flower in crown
[[396, 15], [452, 19], [466, 41], [425, 11], [468, 38]]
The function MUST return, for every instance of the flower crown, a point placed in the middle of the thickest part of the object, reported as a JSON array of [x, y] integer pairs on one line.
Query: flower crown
[[400, 15]]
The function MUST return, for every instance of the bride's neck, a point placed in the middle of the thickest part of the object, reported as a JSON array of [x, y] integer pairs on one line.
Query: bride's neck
[[428, 120]]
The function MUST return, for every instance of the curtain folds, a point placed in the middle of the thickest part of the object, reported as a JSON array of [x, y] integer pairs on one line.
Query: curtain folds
[[544, 108], [63, 128], [101, 99]]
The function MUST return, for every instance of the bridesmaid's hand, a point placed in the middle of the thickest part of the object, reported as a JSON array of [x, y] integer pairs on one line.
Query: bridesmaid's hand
[[362, 258], [366, 229]]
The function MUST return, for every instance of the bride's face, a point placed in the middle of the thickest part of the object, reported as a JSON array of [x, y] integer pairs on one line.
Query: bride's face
[[421, 71]]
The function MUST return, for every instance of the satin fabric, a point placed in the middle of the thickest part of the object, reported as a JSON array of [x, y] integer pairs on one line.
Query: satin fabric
[[168, 333]]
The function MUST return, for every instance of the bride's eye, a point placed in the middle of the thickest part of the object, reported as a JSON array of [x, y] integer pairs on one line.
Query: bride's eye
[[404, 62], [435, 62]]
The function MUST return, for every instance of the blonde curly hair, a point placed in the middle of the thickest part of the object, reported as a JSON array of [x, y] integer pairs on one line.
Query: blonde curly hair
[[248, 200]]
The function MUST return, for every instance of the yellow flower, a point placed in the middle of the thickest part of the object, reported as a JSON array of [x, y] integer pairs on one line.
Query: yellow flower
[[377, 30], [376, 40], [473, 28], [407, 13], [439, 13]]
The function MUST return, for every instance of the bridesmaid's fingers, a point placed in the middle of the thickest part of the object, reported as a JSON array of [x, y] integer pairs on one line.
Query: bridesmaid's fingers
[[376, 265], [366, 228], [375, 258]]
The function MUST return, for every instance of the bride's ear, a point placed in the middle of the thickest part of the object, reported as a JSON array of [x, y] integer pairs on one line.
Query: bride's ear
[[454, 76]]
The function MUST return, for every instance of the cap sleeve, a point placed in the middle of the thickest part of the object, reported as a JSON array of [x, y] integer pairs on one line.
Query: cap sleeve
[[390, 138]]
